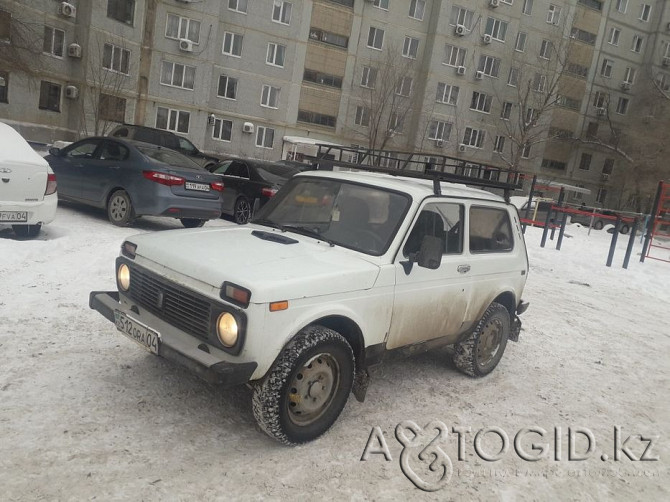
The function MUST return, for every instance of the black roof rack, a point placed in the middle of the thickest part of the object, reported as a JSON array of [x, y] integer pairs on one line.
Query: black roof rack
[[438, 168]]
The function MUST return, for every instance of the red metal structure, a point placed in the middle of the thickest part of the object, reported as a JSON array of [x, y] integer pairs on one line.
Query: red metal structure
[[660, 224]]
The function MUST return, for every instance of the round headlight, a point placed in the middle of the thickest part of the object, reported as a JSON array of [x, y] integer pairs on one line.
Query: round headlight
[[226, 329], [123, 277]]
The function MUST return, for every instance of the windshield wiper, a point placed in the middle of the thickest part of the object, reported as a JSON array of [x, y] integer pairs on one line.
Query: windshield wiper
[[269, 223], [308, 231]]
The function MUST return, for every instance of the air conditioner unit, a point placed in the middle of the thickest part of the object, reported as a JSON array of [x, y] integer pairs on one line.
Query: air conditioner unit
[[439, 143], [479, 75], [248, 127], [601, 111], [185, 45], [460, 30], [71, 92], [460, 70], [605, 177], [625, 86], [462, 147], [67, 10], [666, 61], [74, 50], [494, 3], [487, 38]]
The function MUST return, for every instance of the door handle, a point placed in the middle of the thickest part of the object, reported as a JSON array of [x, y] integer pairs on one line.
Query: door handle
[[463, 269]]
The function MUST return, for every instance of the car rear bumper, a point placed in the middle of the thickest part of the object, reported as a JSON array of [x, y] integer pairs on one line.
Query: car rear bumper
[[41, 212], [199, 357], [165, 203]]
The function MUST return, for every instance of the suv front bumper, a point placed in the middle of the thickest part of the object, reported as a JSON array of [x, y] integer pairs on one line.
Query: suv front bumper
[[177, 346]]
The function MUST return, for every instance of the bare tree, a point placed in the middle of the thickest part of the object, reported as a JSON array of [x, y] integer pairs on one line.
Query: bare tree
[[21, 47]]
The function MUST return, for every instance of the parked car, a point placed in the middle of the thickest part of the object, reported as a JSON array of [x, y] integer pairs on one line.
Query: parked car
[[251, 183], [167, 139], [336, 271], [132, 179], [539, 208], [28, 187], [598, 221]]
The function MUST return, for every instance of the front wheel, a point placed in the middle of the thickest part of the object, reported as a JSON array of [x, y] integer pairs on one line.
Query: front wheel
[[480, 352], [27, 231], [192, 222], [598, 225], [242, 211], [307, 387], [119, 209], [624, 229]]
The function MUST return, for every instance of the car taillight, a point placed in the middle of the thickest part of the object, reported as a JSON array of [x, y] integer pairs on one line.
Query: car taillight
[[51, 184], [268, 192], [217, 185], [163, 179]]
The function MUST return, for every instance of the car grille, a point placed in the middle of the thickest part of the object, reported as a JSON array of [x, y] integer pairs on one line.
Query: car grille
[[172, 303]]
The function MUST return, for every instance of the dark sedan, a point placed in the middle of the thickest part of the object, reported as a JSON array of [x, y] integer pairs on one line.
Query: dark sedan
[[250, 184], [131, 179]]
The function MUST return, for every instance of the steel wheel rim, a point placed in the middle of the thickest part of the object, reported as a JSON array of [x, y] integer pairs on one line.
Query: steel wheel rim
[[118, 208], [489, 342], [243, 210], [312, 389]]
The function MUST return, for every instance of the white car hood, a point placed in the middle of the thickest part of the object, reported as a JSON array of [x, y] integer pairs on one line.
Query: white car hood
[[272, 271]]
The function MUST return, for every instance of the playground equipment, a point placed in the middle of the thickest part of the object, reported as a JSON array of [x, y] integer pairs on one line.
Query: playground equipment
[[658, 226]]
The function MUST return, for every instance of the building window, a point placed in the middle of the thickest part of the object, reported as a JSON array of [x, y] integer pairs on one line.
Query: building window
[[577, 70], [481, 102], [585, 162], [447, 94], [583, 36], [439, 130], [602, 196], [223, 129], [566, 102], [232, 44], [318, 77], [238, 6], [525, 151], [276, 54], [121, 10], [622, 106], [172, 120], [316, 118], [5, 25], [381, 4], [375, 38], [629, 75], [592, 130], [115, 58], [606, 68], [54, 40], [545, 49], [539, 82], [521, 38], [496, 28], [527, 7], [369, 77], [227, 87], [177, 75], [112, 108], [328, 38], [513, 78], [506, 111], [601, 100], [593, 4], [4, 87], [404, 86], [554, 14], [613, 38], [417, 9], [645, 12], [531, 116], [396, 123], [410, 48], [608, 166], [622, 6], [270, 96], [454, 56], [461, 16], [49, 96], [638, 41], [281, 12], [179, 27], [489, 65], [553, 164], [265, 137], [474, 137], [499, 144], [362, 116]]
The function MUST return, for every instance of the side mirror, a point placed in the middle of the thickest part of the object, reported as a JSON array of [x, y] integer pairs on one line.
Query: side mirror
[[54, 151], [430, 252]]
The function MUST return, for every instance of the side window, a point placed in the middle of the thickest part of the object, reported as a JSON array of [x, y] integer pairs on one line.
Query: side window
[[121, 133], [442, 220], [490, 230], [238, 169], [83, 151], [112, 150], [223, 167], [186, 146]]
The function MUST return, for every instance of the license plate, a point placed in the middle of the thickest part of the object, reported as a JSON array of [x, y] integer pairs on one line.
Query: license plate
[[136, 331], [201, 187], [14, 216]]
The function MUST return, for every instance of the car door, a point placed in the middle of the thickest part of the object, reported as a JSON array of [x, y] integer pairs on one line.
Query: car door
[[106, 169], [69, 166], [235, 175], [431, 303]]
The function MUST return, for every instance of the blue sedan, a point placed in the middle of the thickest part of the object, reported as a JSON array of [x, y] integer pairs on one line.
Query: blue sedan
[[131, 179]]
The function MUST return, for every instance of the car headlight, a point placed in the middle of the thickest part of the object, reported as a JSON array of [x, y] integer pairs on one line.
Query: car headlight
[[123, 277], [226, 329]]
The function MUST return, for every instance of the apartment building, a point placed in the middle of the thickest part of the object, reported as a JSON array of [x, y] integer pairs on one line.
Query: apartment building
[[498, 81]]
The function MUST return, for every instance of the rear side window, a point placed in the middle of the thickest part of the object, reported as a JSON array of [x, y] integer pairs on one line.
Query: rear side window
[[121, 133], [441, 220], [490, 230]]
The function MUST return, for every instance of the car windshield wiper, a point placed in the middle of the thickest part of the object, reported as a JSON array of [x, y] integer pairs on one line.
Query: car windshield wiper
[[268, 223], [308, 231]]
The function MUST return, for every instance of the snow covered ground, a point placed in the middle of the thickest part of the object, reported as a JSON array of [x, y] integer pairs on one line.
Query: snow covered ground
[[85, 413]]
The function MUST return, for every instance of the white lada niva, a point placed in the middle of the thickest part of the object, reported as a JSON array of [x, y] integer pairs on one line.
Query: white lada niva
[[336, 272]]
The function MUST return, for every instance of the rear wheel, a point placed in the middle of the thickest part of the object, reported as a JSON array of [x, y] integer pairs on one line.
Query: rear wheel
[[192, 222], [27, 231], [598, 225], [119, 209], [242, 211], [624, 229]]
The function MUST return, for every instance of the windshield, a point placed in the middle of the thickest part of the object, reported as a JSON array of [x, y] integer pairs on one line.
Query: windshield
[[359, 217], [169, 157]]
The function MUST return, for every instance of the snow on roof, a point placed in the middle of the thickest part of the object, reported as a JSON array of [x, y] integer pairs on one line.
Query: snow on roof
[[298, 140], [15, 149]]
